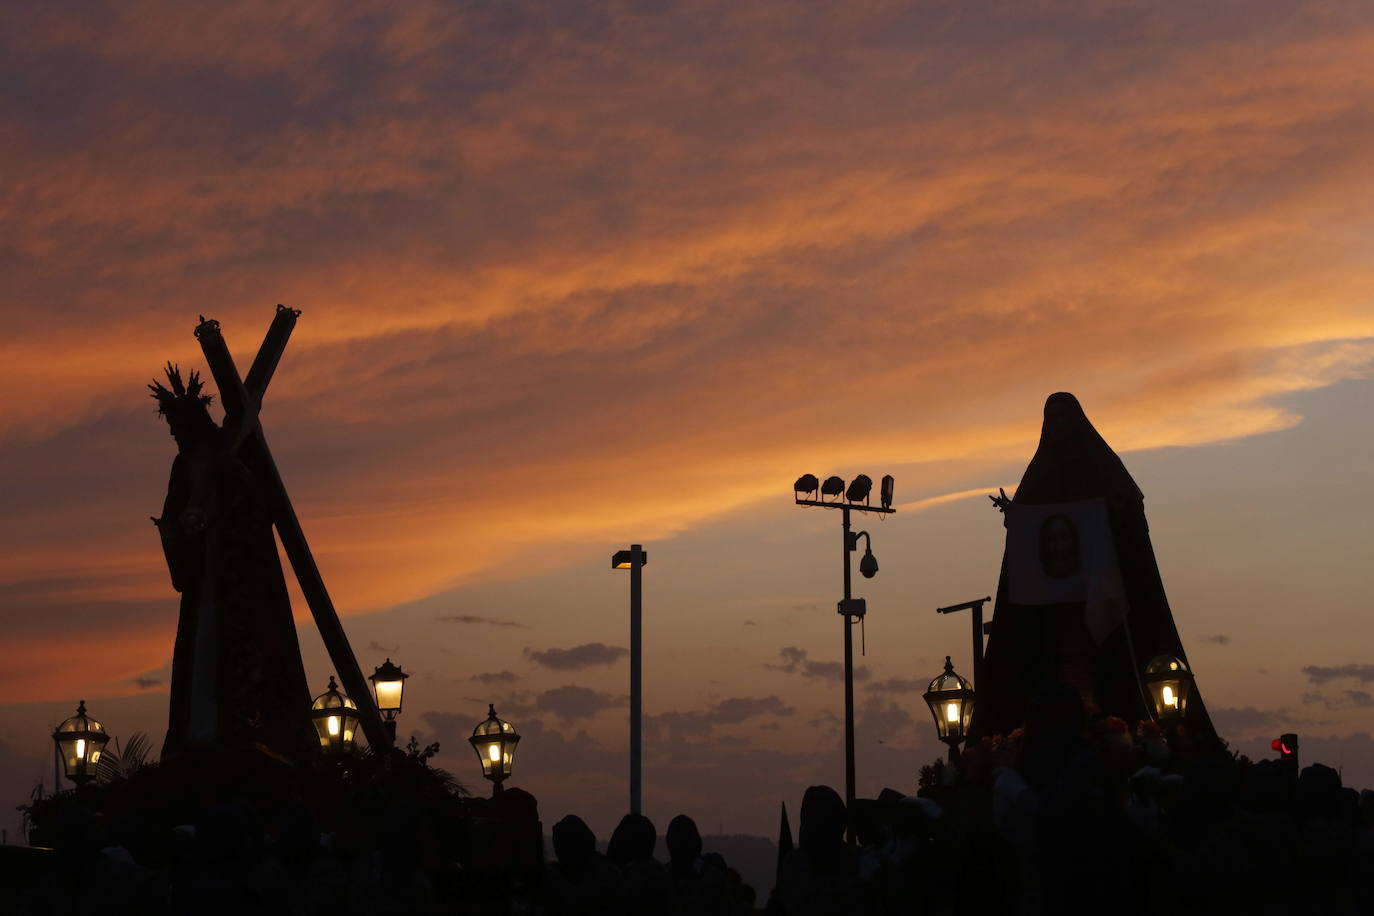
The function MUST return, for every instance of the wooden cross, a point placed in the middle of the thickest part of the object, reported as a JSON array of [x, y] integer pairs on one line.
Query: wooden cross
[[242, 399]]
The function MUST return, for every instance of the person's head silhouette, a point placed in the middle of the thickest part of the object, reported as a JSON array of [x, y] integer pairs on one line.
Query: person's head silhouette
[[634, 838], [573, 842], [822, 821], [684, 841]]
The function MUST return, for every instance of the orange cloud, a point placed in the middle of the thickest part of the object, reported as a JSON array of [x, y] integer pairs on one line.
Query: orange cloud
[[567, 277]]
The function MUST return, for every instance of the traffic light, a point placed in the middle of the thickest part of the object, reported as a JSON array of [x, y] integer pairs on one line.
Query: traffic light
[[1287, 746]]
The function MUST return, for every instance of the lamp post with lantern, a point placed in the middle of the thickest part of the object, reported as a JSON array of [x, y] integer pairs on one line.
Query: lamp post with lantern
[[336, 719], [80, 740], [634, 560], [950, 699], [494, 740]]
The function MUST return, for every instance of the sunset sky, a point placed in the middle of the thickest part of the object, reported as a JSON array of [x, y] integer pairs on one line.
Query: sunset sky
[[576, 275]]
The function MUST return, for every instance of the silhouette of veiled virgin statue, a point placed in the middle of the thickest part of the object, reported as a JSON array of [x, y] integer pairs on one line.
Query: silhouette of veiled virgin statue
[[237, 678], [1037, 643]]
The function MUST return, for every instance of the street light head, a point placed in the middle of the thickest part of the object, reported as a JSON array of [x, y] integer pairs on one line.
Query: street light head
[[868, 566], [887, 491], [494, 740], [833, 486], [625, 559], [950, 699], [1168, 682], [859, 488], [336, 719], [388, 683], [806, 483], [80, 741]]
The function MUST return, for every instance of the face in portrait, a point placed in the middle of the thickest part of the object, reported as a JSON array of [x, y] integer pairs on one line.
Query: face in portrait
[[1058, 547]]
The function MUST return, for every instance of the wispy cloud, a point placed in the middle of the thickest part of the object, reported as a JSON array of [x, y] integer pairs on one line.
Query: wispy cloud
[[797, 661], [495, 677], [1319, 674], [587, 655], [475, 619]]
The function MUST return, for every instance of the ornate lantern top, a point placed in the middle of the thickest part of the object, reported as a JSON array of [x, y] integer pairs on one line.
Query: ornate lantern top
[[332, 699], [80, 723]]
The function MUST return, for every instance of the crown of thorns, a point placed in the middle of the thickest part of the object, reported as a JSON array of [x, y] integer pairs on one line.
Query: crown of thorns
[[181, 395]]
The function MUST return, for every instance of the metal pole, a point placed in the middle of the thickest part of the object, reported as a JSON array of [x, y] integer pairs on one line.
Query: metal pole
[[636, 672], [977, 611], [848, 688]]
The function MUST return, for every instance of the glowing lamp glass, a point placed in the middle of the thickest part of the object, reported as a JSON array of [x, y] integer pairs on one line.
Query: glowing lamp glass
[[388, 686], [1168, 683]]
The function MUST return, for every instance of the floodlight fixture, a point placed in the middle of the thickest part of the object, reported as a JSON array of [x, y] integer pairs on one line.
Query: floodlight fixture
[[859, 488], [626, 559], [833, 486], [807, 483], [887, 491]]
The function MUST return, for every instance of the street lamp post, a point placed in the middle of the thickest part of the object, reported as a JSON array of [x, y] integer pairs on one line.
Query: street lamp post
[[856, 499], [975, 609], [634, 560]]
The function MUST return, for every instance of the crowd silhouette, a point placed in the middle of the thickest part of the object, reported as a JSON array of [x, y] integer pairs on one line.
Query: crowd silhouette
[[1075, 813]]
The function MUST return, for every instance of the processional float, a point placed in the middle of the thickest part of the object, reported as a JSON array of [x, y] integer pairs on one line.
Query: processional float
[[237, 676]]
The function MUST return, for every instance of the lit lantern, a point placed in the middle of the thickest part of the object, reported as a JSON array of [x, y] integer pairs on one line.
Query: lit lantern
[[388, 683], [335, 717], [1169, 683], [950, 699], [80, 741], [494, 741]]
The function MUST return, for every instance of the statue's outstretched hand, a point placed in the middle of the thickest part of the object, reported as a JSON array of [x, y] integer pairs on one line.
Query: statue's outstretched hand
[[1001, 500]]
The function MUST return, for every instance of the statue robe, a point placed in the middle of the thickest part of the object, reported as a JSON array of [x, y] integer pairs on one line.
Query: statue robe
[[237, 676], [1029, 644]]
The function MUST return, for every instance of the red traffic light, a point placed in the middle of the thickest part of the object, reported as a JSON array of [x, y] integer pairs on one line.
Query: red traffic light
[[1278, 745]]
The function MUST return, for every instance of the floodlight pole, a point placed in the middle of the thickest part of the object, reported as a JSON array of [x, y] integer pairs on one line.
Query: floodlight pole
[[848, 682], [851, 610]]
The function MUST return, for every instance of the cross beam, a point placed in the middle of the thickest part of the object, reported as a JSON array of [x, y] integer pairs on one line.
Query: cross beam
[[241, 401]]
